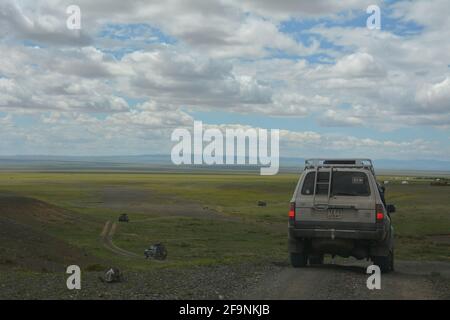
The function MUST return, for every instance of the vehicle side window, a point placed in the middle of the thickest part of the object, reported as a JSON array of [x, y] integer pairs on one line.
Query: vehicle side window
[[308, 184]]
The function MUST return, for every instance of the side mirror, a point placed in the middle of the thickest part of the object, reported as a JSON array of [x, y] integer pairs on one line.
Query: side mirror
[[390, 208]]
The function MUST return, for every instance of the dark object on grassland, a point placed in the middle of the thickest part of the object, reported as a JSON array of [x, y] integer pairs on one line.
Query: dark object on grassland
[[112, 275], [157, 251], [262, 203], [439, 183], [124, 218]]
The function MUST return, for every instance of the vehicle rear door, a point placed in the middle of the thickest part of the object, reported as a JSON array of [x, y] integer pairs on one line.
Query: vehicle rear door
[[347, 201]]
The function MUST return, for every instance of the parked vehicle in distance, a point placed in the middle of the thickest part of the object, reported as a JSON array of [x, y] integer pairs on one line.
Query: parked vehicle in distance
[[124, 218], [338, 208]]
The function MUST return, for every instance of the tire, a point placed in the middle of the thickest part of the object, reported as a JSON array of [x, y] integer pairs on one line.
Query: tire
[[298, 260], [386, 263], [392, 260], [316, 259]]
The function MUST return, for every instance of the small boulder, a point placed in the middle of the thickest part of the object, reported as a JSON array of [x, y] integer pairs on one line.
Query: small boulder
[[112, 275]]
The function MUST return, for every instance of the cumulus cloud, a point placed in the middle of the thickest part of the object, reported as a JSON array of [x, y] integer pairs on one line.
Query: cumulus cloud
[[332, 118], [357, 65], [303, 8], [45, 27], [146, 67], [435, 97]]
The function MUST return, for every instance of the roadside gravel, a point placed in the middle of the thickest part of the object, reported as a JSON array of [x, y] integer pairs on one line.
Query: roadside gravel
[[411, 280]]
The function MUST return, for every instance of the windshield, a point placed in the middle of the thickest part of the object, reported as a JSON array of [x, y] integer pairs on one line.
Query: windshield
[[343, 183]]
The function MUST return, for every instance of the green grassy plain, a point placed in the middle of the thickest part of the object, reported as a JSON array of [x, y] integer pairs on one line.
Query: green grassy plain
[[211, 218]]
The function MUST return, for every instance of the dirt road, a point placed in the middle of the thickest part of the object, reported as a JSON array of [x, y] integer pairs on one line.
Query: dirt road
[[411, 280], [106, 239]]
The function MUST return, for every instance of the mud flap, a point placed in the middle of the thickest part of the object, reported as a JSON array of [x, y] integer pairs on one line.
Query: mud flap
[[383, 248]]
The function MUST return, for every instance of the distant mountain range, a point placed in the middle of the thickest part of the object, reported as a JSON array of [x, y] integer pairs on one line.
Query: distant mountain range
[[138, 162], [387, 164]]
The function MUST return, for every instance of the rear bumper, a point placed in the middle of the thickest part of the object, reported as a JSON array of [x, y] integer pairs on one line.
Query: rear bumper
[[377, 234], [341, 238], [366, 231]]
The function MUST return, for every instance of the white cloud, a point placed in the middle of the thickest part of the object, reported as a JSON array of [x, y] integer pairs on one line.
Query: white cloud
[[44, 26], [357, 65], [435, 97], [221, 59], [219, 28], [252, 38], [332, 118], [304, 8]]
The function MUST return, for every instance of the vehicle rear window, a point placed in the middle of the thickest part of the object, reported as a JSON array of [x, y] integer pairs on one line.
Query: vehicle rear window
[[322, 183], [345, 183], [308, 184]]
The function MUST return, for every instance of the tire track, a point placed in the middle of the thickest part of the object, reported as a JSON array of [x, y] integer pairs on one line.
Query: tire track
[[106, 238]]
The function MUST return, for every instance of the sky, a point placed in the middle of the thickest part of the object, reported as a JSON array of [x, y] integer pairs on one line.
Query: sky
[[137, 70]]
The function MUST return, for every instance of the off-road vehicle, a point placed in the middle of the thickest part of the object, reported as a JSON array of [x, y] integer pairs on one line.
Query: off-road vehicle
[[156, 251], [338, 208], [124, 218]]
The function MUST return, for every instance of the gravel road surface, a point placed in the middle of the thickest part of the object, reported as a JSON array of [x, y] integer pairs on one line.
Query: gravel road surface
[[411, 280]]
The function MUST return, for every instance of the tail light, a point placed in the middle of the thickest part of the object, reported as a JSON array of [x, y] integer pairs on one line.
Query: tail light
[[379, 212], [292, 211]]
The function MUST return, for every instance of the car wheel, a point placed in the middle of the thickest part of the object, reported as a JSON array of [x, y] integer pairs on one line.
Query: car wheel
[[298, 260], [316, 259], [386, 263]]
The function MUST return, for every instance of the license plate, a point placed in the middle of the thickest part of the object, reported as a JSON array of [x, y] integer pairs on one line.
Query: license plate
[[334, 214]]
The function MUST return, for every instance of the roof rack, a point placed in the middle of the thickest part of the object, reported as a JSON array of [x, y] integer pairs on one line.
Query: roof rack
[[339, 163]]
